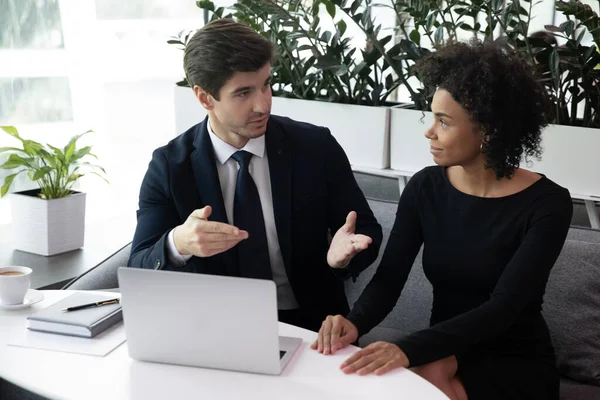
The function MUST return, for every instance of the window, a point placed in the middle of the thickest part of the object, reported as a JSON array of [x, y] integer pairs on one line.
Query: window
[[72, 65], [30, 24]]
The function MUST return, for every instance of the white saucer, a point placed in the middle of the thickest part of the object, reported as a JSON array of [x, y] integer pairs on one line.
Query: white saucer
[[33, 296]]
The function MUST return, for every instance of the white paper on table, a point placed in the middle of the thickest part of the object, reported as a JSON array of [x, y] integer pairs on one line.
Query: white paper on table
[[100, 345]]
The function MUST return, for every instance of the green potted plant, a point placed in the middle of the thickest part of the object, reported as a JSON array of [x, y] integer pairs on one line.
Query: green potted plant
[[50, 219]]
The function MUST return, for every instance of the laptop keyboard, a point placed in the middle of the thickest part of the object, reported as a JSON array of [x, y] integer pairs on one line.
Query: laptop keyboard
[[281, 354]]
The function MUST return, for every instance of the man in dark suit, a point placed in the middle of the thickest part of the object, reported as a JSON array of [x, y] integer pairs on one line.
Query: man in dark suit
[[245, 193]]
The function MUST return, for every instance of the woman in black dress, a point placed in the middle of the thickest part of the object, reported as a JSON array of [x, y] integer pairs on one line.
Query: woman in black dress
[[491, 233]]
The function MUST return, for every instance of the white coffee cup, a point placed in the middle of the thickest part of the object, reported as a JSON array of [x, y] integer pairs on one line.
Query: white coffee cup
[[14, 284]]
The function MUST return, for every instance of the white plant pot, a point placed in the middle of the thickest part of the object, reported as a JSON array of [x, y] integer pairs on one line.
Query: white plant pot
[[47, 227], [188, 110], [570, 158], [409, 149], [362, 131]]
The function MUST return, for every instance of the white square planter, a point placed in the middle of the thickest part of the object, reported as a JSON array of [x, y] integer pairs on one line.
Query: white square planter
[[362, 131], [188, 110], [47, 227], [570, 158], [409, 149]]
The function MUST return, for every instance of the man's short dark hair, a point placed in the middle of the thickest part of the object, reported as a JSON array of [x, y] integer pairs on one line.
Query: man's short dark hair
[[219, 50]]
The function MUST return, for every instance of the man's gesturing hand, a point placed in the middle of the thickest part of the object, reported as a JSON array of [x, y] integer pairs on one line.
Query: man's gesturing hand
[[346, 244], [203, 238]]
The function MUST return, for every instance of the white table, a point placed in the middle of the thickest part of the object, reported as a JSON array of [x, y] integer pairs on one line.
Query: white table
[[309, 375]]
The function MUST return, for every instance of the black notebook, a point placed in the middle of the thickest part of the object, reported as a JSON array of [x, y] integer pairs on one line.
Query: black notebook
[[87, 322]]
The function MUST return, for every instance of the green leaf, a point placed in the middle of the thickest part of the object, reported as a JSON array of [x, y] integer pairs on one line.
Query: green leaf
[[438, 36], [47, 157], [327, 62], [315, 8], [7, 182], [70, 147], [330, 8], [567, 27], [11, 130], [90, 165], [40, 173], [430, 20], [5, 149], [14, 161], [553, 28], [206, 5], [554, 63], [326, 36], [31, 147], [59, 154], [342, 27], [415, 36], [580, 37], [84, 151]]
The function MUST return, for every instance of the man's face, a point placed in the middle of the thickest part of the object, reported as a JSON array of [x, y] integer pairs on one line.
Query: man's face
[[243, 108]]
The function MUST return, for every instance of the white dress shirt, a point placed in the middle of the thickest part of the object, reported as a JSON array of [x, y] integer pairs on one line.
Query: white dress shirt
[[227, 168]]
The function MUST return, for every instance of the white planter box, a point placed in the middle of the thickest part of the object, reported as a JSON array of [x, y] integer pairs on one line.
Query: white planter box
[[363, 132], [409, 148], [570, 158], [188, 110], [48, 227]]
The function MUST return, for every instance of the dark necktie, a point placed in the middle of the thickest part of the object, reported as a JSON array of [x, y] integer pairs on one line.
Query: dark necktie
[[252, 253]]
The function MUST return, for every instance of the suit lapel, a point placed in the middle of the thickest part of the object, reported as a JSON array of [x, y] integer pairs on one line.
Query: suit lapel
[[209, 186], [280, 169], [206, 176]]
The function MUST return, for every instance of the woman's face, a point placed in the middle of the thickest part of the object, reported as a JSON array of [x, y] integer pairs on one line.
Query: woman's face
[[454, 138]]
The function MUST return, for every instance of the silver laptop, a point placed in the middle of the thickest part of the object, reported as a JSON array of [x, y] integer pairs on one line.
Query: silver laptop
[[203, 321]]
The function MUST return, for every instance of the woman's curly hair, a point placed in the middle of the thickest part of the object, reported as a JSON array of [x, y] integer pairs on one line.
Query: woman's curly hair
[[499, 92]]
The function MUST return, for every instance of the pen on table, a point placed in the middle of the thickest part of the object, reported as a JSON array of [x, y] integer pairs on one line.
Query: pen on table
[[96, 304]]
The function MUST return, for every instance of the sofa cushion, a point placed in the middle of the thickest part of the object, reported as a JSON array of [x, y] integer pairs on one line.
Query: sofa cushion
[[572, 390], [584, 234], [413, 309], [572, 311]]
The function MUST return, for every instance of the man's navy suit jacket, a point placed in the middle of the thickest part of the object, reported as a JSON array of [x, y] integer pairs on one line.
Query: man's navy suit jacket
[[313, 191]]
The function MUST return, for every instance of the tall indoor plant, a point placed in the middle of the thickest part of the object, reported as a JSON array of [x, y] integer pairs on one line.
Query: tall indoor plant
[[50, 219]]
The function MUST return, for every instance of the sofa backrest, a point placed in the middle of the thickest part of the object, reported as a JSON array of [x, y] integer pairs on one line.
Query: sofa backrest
[[572, 306], [413, 309]]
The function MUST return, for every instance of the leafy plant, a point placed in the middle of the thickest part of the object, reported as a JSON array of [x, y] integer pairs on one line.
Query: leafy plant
[[570, 71], [55, 170], [313, 63], [316, 62], [181, 40]]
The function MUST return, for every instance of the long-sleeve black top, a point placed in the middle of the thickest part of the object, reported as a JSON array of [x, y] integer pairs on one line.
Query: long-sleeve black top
[[488, 260]]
